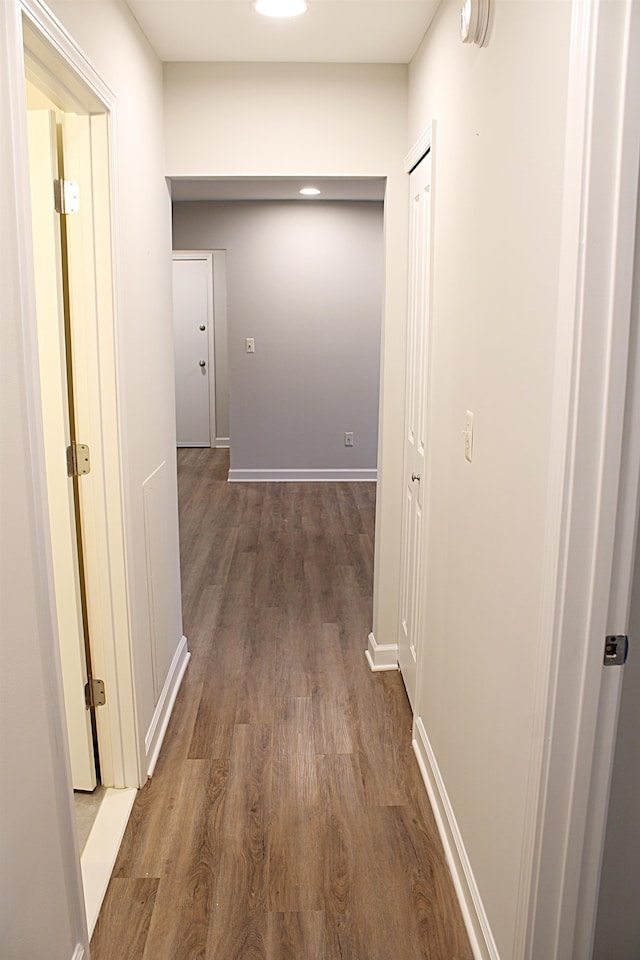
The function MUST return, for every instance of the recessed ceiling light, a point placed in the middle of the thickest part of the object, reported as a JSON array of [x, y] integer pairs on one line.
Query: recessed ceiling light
[[280, 8], [309, 191]]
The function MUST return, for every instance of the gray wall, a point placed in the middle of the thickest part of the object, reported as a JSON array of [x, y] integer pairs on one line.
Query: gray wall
[[304, 279]]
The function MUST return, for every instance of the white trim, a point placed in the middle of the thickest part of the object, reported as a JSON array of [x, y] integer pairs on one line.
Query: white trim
[[583, 565], [78, 953], [17, 218], [420, 148], [223, 442], [164, 706], [302, 476], [627, 520], [118, 722], [101, 849], [473, 912], [381, 656]]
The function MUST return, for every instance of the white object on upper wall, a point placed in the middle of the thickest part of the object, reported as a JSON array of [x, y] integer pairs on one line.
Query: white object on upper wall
[[474, 21]]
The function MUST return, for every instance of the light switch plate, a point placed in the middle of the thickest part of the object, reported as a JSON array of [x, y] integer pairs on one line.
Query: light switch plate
[[250, 345], [468, 436]]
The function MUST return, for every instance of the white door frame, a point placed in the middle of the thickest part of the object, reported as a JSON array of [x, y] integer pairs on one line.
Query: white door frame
[[417, 416], [121, 747], [207, 255], [593, 487]]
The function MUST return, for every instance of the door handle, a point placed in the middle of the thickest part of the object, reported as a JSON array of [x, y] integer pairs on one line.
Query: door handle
[[202, 326], [203, 363], [415, 476]]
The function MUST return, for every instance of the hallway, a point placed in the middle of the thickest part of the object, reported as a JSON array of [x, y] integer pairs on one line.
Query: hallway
[[286, 817]]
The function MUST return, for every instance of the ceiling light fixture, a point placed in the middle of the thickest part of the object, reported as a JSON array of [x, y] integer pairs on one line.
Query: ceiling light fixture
[[280, 8], [309, 191]]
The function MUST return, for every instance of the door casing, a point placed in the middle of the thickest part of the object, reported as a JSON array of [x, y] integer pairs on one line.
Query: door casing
[[58, 66]]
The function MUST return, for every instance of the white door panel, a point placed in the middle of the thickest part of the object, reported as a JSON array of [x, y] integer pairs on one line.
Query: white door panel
[[416, 422], [192, 309], [51, 345]]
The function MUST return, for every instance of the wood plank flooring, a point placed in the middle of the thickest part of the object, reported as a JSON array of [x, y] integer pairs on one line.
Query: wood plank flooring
[[286, 819]]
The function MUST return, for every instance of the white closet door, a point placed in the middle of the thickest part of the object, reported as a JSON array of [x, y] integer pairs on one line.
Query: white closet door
[[192, 320], [415, 438]]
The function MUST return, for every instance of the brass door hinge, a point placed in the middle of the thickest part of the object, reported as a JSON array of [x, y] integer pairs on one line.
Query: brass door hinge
[[94, 693], [78, 460], [66, 196]]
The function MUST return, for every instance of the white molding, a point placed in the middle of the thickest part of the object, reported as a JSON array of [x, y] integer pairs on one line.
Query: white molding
[[164, 706], [78, 953], [118, 732], [584, 560], [224, 443], [16, 224], [420, 148], [381, 656], [63, 43], [101, 849], [302, 476], [473, 912]]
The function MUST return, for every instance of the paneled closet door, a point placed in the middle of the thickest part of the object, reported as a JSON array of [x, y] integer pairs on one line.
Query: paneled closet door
[[416, 419]]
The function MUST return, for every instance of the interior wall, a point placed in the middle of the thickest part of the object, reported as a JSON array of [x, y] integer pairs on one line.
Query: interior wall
[[497, 190], [268, 119], [110, 37], [304, 280]]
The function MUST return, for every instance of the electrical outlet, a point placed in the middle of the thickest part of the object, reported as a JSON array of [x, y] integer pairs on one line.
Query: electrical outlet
[[250, 345], [348, 439]]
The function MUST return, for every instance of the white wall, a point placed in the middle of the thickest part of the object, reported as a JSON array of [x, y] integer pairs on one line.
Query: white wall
[[111, 39], [497, 178], [304, 279], [314, 120]]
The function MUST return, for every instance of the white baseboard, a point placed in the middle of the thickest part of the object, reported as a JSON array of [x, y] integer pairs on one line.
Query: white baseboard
[[166, 700], [223, 442], [301, 476], [101, 850], [381, 656], [473, 912]]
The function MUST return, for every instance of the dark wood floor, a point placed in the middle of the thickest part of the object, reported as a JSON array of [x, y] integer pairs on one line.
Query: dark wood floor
[[286, 819]]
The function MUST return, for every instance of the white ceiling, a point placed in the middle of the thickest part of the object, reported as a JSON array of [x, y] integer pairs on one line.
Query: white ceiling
[[332, 31], [275, 188]]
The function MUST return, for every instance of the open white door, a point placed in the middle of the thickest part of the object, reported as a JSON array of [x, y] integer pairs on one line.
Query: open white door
[[52, 350], [415, 437]]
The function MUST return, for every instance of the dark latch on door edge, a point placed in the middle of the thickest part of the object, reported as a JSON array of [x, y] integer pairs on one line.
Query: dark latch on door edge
[[616, 650]]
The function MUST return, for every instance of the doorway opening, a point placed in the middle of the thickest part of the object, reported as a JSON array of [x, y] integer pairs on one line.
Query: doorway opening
[[299, 333], [76, 391]]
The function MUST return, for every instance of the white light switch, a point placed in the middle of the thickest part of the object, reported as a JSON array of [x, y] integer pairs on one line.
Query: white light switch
[[250, 345], [467, 434]]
